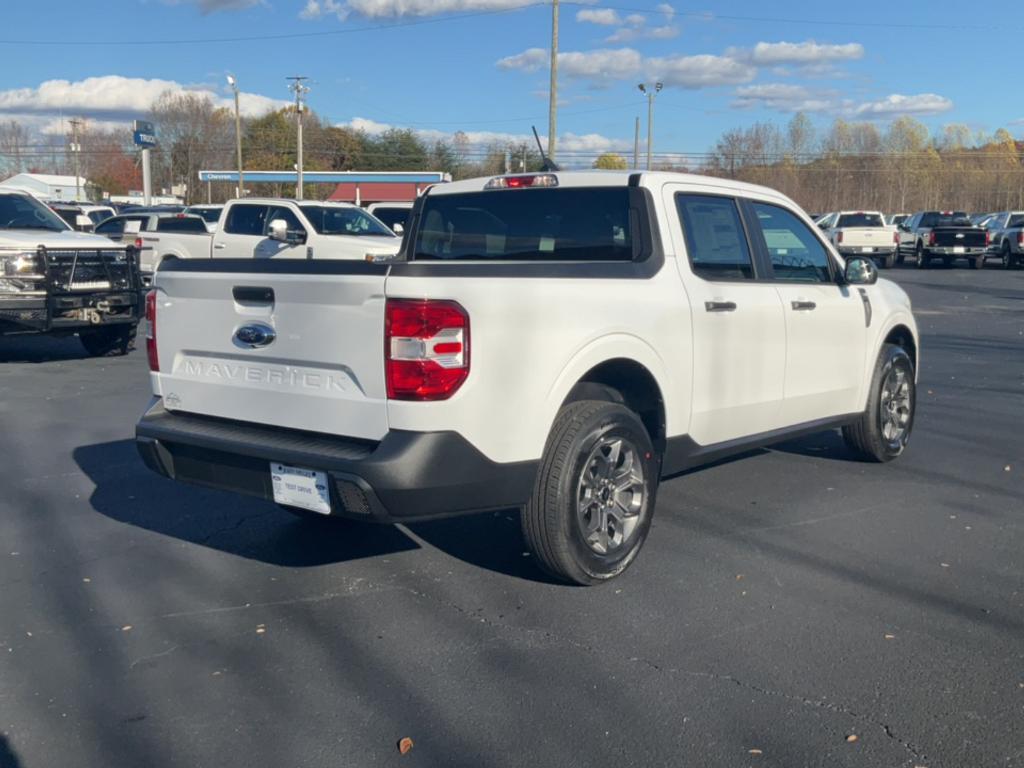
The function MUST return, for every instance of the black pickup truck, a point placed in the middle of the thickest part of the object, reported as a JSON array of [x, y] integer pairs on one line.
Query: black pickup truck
[[59, 282], [946, 235]]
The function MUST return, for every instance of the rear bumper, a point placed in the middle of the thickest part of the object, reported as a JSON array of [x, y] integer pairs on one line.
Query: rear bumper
[[407, 476], [950, 250], [881, 250]]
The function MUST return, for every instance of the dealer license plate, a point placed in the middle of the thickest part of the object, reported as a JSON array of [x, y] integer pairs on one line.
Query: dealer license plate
[[958, 249], [297, 487]]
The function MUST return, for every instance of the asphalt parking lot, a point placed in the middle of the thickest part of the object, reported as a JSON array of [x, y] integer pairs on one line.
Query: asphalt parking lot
[[791, 608]]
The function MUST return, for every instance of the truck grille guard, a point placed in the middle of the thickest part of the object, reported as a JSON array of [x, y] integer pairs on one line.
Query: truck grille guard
[[81, 270]]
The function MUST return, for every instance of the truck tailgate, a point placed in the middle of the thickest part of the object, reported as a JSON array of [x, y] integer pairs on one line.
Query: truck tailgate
[[323, 368], [875, 237]]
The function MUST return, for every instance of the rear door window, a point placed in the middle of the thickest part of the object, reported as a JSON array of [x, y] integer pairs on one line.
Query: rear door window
[[715, 239], [246, 219], [564, 224]]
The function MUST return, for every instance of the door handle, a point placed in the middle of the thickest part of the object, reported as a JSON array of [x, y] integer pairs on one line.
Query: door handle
[[219, 246], [720, 306], [803, 306]]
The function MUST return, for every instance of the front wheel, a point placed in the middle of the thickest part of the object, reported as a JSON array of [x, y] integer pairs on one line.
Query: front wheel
[[594, 496], [882, 431], [108, 341]]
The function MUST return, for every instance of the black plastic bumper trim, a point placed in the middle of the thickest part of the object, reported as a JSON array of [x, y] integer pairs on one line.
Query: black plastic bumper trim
[[406, 476]]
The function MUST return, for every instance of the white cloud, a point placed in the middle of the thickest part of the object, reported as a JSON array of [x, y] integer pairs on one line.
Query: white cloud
[[589, 143], [605, 65], [113, 96], [783, 98], [897, 104], [701, 71], [393, 9], [806, 53], [211, 6], [602, 65], [667, 10], [529, 60], [605, 17]]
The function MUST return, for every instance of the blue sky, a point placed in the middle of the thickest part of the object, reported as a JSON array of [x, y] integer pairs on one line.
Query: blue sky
[[475, 65]]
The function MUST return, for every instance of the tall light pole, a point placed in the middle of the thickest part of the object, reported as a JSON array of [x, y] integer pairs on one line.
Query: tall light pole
[[76, 150], [299, 90], [553, 97], [650, 93], [238, 136]]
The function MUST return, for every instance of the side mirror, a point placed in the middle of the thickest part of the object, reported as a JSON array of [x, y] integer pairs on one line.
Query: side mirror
[[279, 230], [398, 229], [861, 272], [83, 223]]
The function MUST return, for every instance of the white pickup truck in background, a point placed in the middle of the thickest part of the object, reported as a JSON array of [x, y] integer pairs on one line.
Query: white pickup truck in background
[[306, 229], [554, 342], [862, 233]]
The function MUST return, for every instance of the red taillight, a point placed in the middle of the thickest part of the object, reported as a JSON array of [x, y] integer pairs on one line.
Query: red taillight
[[931, 238], [138, 243], [895, 238], [154, 360], [521, 182], [839, 236], [988, 238], [1020, 237], [426, 348]]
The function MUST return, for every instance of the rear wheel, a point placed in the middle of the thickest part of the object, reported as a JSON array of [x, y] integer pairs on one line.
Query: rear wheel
[[976, 262], [889, 261], [108, 341], [882, 431], [594, 497], [1007, 257], [922, 260]]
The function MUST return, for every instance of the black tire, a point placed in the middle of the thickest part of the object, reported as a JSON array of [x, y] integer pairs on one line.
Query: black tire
[[976, 262], [889, 261], [109, 341], [1007, 256], [867, 436], [553, 523], [899, 255], [922, 260]]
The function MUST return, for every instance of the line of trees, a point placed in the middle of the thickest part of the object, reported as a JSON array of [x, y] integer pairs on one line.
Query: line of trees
[[855, 165], [858, 165]]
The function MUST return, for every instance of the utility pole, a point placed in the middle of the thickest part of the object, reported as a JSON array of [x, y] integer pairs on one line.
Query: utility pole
[[299, 90], [636, 144], [75, 151], [553, 98], [238, 137], [650, 93]]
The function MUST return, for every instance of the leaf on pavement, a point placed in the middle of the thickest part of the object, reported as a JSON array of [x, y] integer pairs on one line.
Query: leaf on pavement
[[405, 745]]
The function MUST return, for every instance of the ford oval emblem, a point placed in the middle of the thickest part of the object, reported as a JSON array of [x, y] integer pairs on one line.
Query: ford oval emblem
[[254, 335]]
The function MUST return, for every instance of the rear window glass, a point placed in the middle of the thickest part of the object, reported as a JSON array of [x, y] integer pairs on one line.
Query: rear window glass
[[860, 220], [209, 215], [192, 224], [569, 224], [957, 219], [1017, 220]]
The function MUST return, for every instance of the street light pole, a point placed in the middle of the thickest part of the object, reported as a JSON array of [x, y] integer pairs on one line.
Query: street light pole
[[553, 96], [238, 137], [650, 93], [76, 150], [299, 90]]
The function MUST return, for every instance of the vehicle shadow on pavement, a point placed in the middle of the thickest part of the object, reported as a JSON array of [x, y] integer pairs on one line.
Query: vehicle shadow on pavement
[[40, 349], [258, 530], [8, 759], [238, 525]]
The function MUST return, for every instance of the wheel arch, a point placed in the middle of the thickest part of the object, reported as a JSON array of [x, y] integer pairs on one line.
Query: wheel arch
[[625, 381], [901, 335]]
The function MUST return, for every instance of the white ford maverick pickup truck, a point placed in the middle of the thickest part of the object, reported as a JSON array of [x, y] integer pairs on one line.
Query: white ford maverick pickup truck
[[553, 342]]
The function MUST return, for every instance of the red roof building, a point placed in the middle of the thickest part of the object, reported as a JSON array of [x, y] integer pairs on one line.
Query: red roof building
[[377, 192]]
